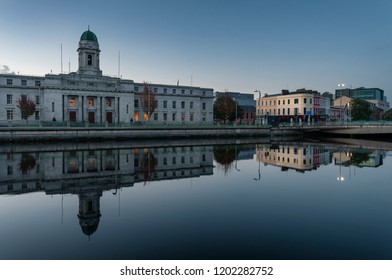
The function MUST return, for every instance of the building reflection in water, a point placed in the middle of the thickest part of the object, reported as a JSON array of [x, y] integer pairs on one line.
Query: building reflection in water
[[88, 173]]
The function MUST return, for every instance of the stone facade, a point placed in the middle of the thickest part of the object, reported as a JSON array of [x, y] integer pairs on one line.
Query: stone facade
[[89, 97]]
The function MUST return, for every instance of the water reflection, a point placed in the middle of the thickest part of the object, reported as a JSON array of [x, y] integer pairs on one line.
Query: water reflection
[[88, 173]]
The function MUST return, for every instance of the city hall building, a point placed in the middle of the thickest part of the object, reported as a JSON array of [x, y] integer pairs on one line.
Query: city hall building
[[90, 97]]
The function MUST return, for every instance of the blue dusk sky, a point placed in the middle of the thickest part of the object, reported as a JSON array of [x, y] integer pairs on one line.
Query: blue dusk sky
[[244, 45]]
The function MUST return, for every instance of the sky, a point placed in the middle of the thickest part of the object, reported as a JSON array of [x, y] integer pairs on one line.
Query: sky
[[243, 45]]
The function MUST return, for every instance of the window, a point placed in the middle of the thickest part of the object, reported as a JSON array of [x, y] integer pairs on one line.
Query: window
[[305, 111], [155, 90], [136, 103], [296, 101], [165, 104], [72, 101], [109, 102], [183, 91], [89, 59], [288, 111], [37, 100], [23, 82], [91, 102], [165, 90], [204, 93], [204, 117], [9, 99], [173, 160], [37, 115], [174, 105], [191, 91], [182, 159], [287, 102], [191, 105], [182, 104], [310, 100], [52, 107], [204, 106], [174, 90], [165, 116], [164, 161], [304, 100], [23, 97], [191, 117], [183, 117], [9, 82], [279, 112], [136, 89], [174, 117], [155, 116], [10, 115], [127, 109], [37, 83], [283, 111], [278, 102]]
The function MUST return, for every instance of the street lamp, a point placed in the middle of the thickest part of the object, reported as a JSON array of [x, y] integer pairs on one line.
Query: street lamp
[[258, 102], [341, 95], [258, 159], [340, 177]]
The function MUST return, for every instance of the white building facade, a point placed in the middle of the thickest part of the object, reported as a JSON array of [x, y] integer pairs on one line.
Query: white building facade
[[87, 96]]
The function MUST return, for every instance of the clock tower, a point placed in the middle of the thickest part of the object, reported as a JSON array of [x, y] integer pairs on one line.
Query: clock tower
[[89, 54]]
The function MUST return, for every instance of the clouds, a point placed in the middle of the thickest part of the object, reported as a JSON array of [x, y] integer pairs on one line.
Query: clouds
[[4, 69]]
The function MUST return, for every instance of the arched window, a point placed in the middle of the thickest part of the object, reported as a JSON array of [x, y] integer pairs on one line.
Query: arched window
[[89, 59]]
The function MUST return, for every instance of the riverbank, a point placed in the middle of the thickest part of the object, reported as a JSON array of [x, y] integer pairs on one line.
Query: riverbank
[[88, 134]]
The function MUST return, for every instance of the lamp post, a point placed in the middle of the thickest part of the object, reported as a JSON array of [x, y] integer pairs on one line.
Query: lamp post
[[340, 177], [258, 159], [341, 95], [235, 100], [258, 105]]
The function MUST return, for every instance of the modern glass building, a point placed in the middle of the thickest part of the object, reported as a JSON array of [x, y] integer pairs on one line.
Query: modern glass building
[[368, 93]]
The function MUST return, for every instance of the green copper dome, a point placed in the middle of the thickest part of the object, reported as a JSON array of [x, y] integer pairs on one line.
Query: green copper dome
[[89, 36]]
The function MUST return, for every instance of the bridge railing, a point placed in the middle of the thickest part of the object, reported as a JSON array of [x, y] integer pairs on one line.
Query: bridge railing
[[335, 124]]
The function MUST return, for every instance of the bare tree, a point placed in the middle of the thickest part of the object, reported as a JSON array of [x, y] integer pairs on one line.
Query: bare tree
[[148, 100]]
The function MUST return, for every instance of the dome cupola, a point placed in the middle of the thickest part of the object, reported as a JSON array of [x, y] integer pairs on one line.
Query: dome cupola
[[89, 54]]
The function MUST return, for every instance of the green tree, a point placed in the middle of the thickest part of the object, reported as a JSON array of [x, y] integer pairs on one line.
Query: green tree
[[26, 107], [148, 100], [360, 110], [388, 115], [225, 109]]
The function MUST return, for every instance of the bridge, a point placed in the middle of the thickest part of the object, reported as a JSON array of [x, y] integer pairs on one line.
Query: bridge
[[348, 128]]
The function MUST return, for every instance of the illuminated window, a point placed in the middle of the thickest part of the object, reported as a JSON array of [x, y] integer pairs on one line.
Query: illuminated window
[[72, 102], [91, 101], [145, 116], [183, 117], [136, 116]]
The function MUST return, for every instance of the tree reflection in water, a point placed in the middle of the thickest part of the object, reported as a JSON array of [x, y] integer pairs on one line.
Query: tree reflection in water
[[225, 156], [148, 165], [27, 163]]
